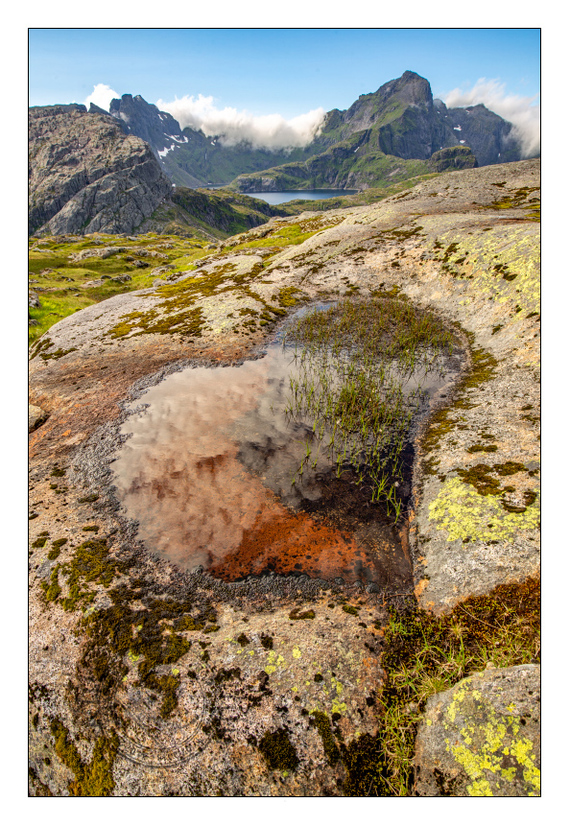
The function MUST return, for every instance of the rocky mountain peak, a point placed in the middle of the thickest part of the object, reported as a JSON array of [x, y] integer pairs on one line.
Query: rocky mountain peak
[[159, 129], [387, 103], [410, 89], [87, 175]]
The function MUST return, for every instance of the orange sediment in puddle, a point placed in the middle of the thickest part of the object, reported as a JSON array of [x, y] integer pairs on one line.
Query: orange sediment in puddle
[[293, 543]]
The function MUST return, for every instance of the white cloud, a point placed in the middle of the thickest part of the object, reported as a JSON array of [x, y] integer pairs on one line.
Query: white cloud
[[269, 131], [522, 112], [102, 95]]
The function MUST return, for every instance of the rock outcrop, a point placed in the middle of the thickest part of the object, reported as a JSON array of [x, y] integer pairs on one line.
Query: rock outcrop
[[482, 737], [453, 157], [36, 417], [147, 679], [86, 175]]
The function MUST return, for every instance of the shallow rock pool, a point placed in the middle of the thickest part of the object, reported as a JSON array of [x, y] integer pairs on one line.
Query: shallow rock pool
[[219, 474]]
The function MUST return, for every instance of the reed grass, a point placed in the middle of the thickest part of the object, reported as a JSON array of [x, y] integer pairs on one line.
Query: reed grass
[[353, 363]]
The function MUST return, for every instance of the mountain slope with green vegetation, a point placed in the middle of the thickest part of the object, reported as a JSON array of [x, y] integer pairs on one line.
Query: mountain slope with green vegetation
[[212, 214], [401, 119], [393, 133], [352, 164]]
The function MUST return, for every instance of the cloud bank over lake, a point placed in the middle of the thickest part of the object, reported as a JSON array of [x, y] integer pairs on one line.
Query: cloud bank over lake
[[233, 126]]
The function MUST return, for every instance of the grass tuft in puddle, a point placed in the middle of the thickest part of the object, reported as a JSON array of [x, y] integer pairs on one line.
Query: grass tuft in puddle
[[359, 381]]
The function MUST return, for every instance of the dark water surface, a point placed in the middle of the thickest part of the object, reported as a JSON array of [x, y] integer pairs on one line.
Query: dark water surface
[[302, 194], [211, 473]]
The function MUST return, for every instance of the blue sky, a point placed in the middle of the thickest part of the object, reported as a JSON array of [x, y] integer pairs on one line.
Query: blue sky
[[285, 71]]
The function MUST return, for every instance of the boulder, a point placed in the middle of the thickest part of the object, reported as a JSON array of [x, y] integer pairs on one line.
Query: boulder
[[36, 417], [102, 252], [482, 737]]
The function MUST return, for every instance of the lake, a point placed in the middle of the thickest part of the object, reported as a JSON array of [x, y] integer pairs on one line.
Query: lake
[[302, 194]]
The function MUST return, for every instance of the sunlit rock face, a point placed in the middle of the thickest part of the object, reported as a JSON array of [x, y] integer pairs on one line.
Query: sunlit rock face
[[87, 175]]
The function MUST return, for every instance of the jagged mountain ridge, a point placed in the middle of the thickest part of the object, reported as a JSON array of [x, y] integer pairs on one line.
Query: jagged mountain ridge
[[401, 119], [188, 156], [87, 174], [97, 171]]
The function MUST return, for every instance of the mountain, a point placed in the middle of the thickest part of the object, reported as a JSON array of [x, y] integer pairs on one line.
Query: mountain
[[404, 120], [399, 121], [111, 172], [189, 157], [360, 147], [87, 174]]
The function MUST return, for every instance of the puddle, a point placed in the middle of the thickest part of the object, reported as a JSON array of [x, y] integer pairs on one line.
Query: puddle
[[211, 472]]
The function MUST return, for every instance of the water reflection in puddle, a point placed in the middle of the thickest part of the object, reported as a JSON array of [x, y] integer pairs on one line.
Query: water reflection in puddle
[[207, 472]]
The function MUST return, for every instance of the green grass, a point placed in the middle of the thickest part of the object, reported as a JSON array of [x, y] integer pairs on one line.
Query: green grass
[[62, 284], [424, 655], [360, 160], [291, 234]]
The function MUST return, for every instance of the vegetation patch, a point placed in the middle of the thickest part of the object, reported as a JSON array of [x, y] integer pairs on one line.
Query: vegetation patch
[[187, 323], [323, 725], [179, 311], [482, 476], [56, 547], [285, 236], [301, 615], [67, 280], [353, 360], [288, 297], [93, 778], [278, 750], [41, 540], [52, 589], [443, 421], [350, 609], [121, 637], [424, 655], [517, 198]]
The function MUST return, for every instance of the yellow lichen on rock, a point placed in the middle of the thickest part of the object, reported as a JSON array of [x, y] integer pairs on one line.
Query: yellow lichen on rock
[[466, 515], [470, 743]]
